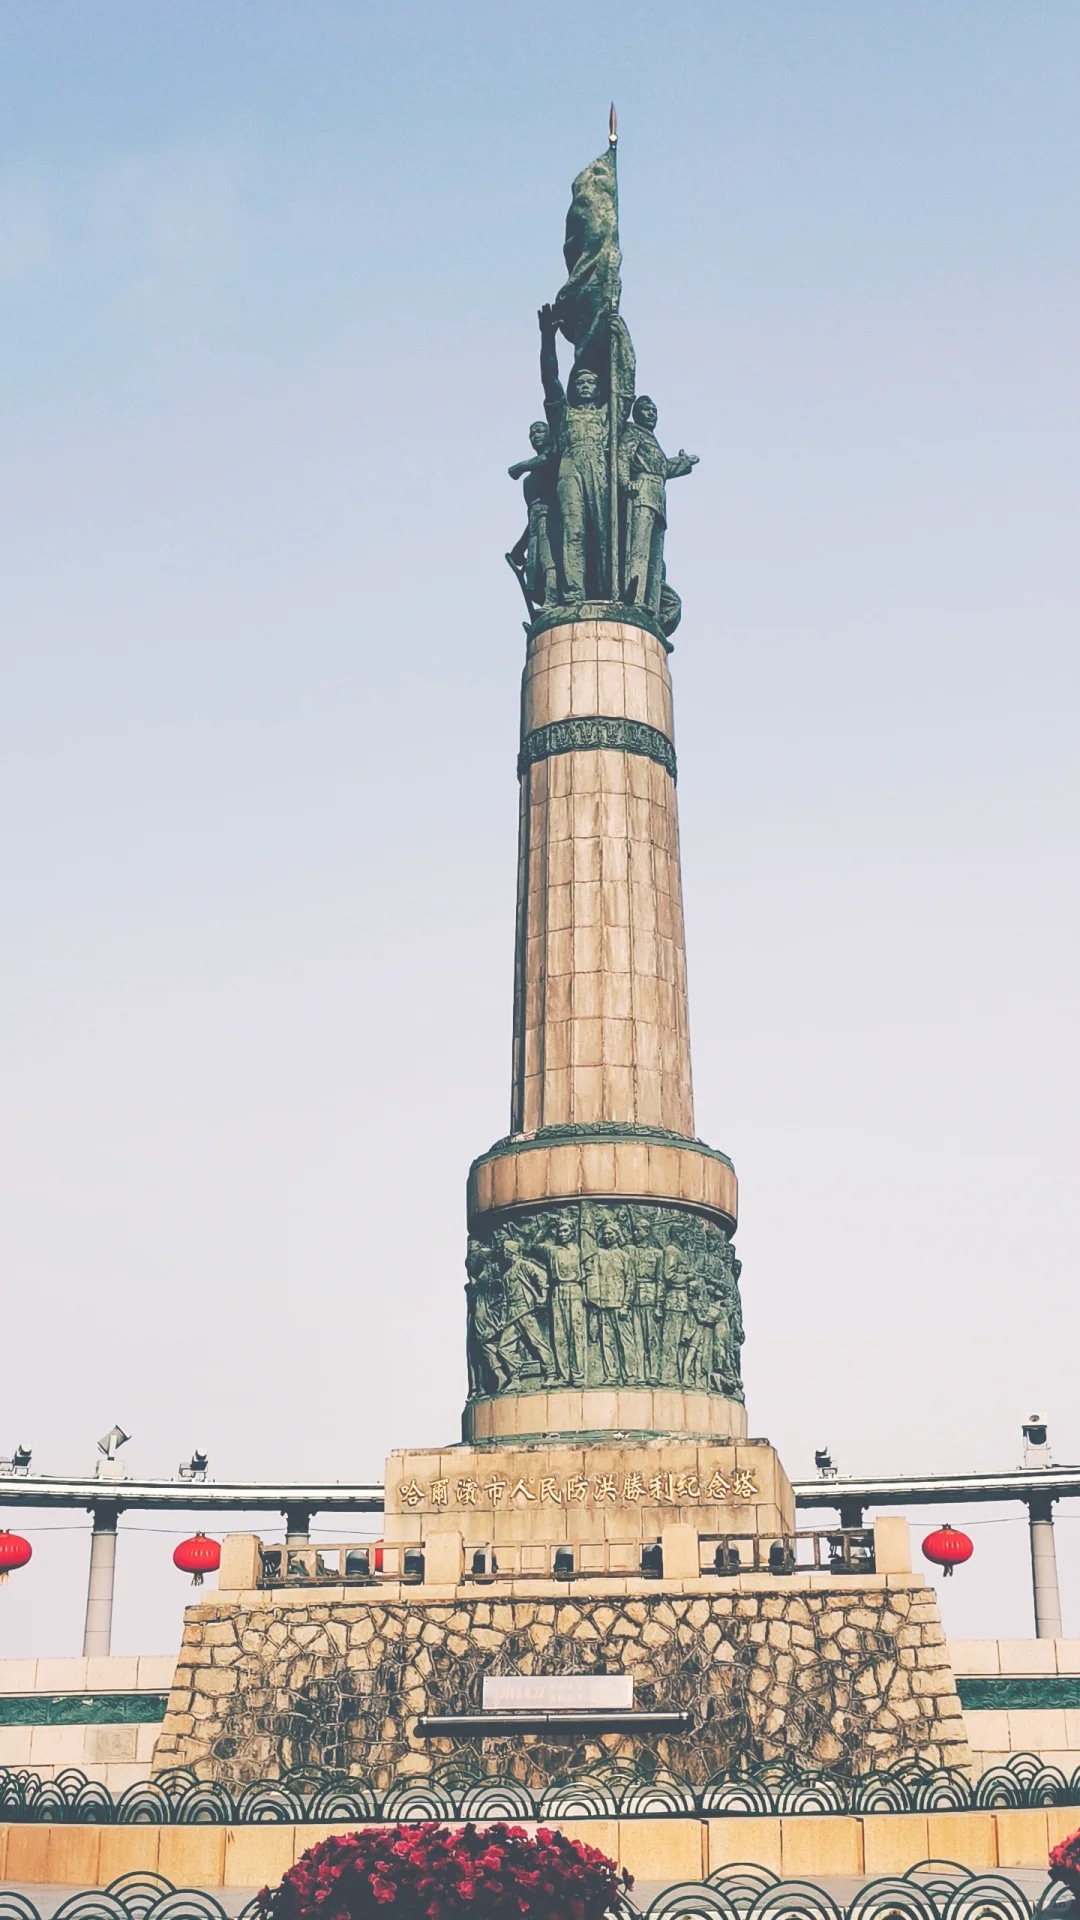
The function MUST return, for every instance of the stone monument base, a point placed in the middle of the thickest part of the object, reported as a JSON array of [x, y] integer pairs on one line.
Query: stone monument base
[[847, 1674], [672, 1562]]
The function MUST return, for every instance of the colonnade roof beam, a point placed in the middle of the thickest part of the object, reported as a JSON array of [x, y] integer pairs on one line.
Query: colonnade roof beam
[[930, 1490], [189, 1496], [194, 1496]]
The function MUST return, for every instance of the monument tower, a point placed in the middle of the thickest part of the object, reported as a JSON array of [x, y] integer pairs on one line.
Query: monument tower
[[604, 1517], [602, 1283], [603, 1288]]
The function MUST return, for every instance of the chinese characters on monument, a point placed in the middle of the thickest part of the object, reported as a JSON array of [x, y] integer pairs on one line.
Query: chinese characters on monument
[[623, 1489]]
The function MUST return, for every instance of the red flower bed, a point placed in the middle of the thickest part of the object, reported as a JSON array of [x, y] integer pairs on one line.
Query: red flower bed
[[1065, 1863], [427, 1872]]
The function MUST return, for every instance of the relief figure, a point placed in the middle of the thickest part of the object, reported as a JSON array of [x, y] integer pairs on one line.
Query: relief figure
[[706, 1314], [675, 1271], [568, 1322], [495, 1350], [727, 1351], [525, 1287], [648, 1300], [608, 1281]]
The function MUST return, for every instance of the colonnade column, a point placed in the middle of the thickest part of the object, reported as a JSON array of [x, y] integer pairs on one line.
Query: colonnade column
[[97, 1633], [1044, 1574]]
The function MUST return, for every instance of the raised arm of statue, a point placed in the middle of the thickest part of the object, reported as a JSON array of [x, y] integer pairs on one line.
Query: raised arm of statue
[[554, 391]]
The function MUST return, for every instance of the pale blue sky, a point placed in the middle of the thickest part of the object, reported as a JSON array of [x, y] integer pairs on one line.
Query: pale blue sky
[[268, 280]]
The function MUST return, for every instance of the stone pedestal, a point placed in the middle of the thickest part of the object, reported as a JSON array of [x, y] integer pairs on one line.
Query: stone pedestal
[[846, 1674]]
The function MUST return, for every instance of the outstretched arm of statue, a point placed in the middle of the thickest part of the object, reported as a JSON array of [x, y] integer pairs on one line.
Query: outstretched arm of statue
[[681, 463], [521, 467]]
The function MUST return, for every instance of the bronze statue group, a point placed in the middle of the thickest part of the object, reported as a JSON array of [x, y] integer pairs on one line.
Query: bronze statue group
[[565, 556], [604, 1297]]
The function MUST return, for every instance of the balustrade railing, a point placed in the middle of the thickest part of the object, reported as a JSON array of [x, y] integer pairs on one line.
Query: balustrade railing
[[365, 1563], [839, 1550]]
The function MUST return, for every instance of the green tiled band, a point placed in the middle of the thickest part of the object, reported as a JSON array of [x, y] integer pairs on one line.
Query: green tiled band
[[82, 1709], [594, 735], [989, 1692]]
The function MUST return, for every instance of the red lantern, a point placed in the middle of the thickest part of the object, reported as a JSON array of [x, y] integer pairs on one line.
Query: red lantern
[[14, 1552], [198, 1556], [947, 1548]]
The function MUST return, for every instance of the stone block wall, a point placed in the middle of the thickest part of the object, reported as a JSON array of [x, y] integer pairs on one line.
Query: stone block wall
[[101, 1715], [1020, 1696], [850, 1676]]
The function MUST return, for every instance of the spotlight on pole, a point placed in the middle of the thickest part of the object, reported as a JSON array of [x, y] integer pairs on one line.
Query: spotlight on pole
[[1036, 1442], [109, 1446]]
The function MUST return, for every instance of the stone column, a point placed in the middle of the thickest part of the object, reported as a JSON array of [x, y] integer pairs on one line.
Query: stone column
[[603, 1288], [1044, 1573], [601, 1031], [97, 1632]]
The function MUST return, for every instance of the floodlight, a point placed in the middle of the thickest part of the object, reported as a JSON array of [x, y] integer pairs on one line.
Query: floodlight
[[1036, 1441], [110, 1442]]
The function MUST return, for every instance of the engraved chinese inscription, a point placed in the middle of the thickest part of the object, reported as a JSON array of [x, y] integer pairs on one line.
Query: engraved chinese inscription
[[627, 1488]]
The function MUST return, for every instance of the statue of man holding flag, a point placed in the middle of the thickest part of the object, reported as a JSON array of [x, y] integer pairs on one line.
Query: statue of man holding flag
[[605, 491], [580, 430]]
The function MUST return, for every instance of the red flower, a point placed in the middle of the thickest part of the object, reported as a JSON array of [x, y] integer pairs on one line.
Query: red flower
[[435, 1873], [1065, 1863]]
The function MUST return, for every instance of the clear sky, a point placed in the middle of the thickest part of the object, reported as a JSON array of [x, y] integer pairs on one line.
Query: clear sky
[[268, 281]]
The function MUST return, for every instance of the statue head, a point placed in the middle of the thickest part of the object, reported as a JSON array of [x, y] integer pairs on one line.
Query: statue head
[[644, 412], [540, 436], [609, 1233], [565, 1230], [639, 1227], [584, 388]]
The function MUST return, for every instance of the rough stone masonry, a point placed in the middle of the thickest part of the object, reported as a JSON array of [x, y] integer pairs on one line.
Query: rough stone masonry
[[850, 1680]]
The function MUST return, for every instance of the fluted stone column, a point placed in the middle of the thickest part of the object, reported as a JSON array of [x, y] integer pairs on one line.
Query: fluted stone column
[[602, 1118]]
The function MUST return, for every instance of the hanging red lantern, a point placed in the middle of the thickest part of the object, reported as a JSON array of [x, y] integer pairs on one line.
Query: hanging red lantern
[[947, 1548], [14, 1553], [198, 1556]]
